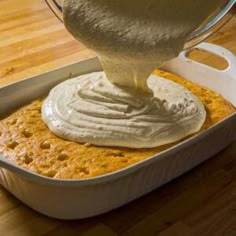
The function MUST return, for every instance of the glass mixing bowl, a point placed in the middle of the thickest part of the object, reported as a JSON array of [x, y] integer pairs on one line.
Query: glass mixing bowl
[[212, 24]]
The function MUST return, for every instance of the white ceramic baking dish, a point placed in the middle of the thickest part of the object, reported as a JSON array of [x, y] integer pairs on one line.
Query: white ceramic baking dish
[[74, 199]]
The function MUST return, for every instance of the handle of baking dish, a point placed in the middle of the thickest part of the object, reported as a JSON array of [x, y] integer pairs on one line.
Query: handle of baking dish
[[217, 50], [220, 81]]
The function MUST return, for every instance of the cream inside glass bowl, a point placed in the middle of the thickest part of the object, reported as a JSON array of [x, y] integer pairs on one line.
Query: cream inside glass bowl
[[209, 26]]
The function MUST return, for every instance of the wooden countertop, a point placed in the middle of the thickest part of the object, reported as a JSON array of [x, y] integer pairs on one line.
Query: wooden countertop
[[201, 202]]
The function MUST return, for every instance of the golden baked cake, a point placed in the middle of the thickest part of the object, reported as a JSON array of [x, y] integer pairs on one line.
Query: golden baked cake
[[26, 140]]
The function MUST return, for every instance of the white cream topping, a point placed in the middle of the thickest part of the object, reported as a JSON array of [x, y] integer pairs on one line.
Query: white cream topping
[[131, 38], [90, 109]]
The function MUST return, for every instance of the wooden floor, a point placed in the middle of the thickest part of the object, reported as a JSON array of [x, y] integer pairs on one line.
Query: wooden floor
[[201, 202]]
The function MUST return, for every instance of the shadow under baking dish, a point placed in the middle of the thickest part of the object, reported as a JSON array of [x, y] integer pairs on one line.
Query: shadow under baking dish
[[76, 199]]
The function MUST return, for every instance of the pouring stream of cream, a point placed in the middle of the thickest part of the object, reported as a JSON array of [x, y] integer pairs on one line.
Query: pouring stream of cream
[[133, 37]]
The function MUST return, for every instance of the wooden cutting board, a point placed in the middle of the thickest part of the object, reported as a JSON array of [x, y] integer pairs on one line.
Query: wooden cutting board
[[201, 202]]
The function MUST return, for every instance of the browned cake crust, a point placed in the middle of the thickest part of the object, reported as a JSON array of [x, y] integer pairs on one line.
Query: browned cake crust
[[26, 140]]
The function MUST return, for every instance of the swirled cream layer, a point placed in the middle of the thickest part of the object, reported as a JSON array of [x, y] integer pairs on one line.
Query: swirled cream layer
[[90, 109]]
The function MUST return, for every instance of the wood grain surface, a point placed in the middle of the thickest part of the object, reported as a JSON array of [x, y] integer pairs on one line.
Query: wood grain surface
[[201, 202]]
